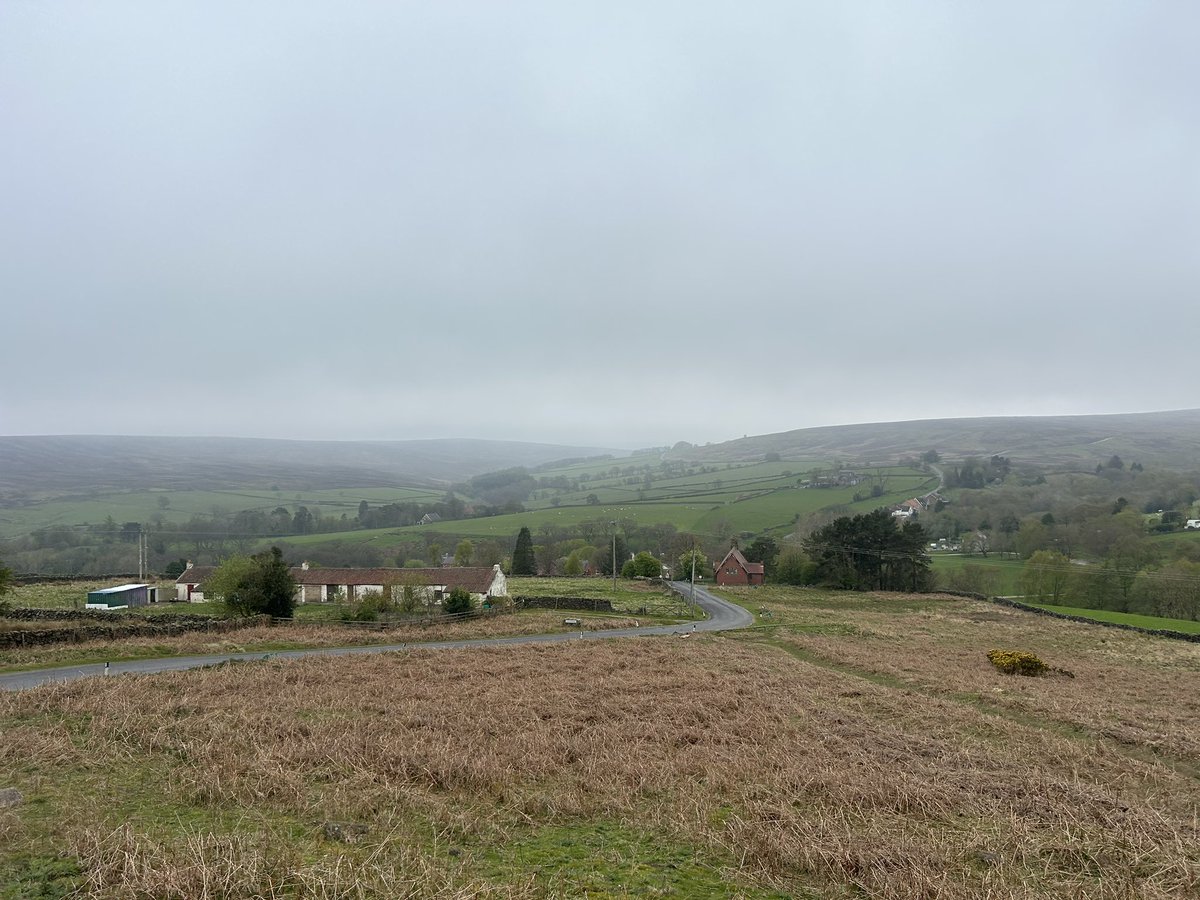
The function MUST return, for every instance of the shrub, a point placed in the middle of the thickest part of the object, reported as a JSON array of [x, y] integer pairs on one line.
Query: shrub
[[368, 608], [458, 602], [644, 565], [1017, 662], [253, 585]]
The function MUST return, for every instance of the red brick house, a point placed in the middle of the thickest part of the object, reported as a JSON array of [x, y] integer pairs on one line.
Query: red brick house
[[735, 569]]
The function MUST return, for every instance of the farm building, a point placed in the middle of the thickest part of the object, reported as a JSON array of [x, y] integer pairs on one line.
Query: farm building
[[736, 569], [321, 585], [122, 595], [189, 585]]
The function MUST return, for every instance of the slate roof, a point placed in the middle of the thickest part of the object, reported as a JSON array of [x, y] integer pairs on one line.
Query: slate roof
[[476, 579], [195, 575]]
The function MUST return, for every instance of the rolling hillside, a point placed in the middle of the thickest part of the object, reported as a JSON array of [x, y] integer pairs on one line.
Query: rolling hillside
[[1164, 439], [62, 464]]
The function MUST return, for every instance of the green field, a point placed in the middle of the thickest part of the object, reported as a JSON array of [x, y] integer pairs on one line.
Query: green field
[[714, 502], [1004, 574], [144, 506], [1187, 626], [1172, 544], [630, 597], [679, 515], [741, 504]]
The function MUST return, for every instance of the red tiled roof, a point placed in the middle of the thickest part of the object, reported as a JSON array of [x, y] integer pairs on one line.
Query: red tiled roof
[[736, 555]]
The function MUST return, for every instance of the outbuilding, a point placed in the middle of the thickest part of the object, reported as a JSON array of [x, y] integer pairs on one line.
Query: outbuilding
[[122, 596]]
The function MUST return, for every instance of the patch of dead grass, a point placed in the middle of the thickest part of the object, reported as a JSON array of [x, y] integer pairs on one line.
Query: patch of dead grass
[[199, 643], [1139, 690], [803, 774]]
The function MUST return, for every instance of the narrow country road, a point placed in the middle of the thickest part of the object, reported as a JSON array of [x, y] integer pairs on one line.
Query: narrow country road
[[722, 616]]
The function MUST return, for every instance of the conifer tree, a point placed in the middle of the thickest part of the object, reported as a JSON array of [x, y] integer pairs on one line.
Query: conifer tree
[[523, 560]]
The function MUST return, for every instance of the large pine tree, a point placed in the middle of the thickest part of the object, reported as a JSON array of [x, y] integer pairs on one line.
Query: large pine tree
[[523, 561], [868, 552]]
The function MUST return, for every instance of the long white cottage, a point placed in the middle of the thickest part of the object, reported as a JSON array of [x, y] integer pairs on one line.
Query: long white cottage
[[328, 585]]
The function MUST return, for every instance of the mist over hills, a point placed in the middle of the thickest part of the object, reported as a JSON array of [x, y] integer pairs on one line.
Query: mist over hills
[[65, 463], [59, 464], [1167, 439]]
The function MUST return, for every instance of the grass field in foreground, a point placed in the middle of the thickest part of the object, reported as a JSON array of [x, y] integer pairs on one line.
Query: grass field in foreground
[[301, 635], [861, 745]]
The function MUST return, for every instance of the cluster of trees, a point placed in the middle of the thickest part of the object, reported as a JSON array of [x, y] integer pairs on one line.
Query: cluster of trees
[[1071, 508], [643, 565], [1099, 523], [976, 473], [1172, 590], [506, 489], [869, 552]]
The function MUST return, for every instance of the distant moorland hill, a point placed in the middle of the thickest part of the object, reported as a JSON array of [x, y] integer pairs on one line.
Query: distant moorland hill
[[1165, 439], [67, 463]]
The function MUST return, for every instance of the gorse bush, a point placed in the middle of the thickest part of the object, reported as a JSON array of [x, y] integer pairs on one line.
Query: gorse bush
[[1018, 662]]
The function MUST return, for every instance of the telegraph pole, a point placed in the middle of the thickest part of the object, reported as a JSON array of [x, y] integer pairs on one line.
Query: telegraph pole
[[693, 574]]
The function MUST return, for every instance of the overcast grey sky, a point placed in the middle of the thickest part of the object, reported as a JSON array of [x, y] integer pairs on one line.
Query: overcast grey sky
[[609, 223]]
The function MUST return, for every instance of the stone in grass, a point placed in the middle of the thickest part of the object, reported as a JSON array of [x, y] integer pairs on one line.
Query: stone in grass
[[346, 832], [10, 797]]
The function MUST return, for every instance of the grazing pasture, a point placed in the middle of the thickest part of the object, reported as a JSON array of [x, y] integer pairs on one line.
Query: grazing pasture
[[720, 501], [1002, 576], [181, 506], [1186, 626]]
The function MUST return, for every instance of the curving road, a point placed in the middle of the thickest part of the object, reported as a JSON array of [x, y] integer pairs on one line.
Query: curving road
[[722, 616]]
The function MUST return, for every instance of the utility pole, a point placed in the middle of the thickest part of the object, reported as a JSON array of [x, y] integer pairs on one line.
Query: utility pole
[[693, 576]]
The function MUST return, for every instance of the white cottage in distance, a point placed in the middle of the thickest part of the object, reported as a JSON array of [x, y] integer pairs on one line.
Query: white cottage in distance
[[327, 585]]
